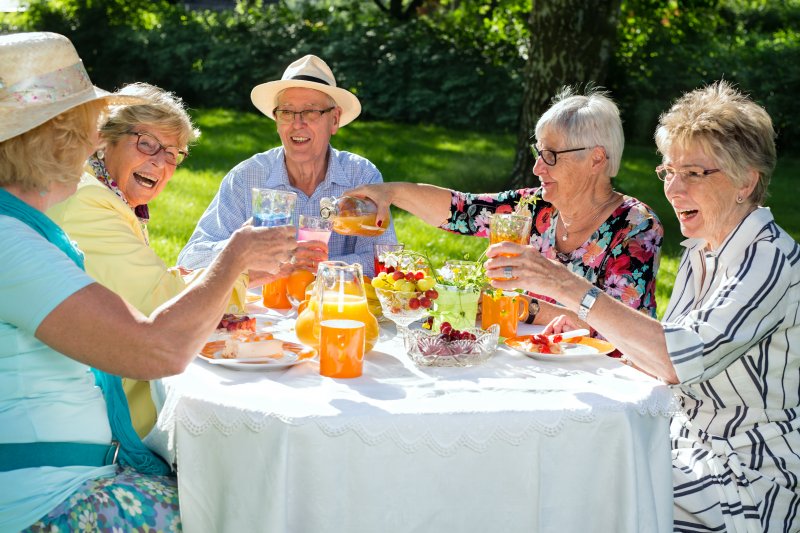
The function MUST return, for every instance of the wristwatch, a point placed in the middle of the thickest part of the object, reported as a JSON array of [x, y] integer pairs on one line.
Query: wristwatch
[[533, 310], [587, 302]]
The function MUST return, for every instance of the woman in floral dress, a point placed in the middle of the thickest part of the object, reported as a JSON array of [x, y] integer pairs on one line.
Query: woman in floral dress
[[612, 240]]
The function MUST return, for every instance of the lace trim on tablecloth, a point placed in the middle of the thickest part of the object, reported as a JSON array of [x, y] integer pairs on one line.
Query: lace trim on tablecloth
[[443, 433]]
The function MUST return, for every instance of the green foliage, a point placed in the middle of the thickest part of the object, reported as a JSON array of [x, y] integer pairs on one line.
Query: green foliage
[[667, 48]]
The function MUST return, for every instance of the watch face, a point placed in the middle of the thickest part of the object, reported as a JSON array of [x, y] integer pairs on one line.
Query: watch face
[[533, 307]]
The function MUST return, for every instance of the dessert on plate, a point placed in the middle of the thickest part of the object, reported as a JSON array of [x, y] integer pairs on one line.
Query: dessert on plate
[[249, 345], [231, 322]]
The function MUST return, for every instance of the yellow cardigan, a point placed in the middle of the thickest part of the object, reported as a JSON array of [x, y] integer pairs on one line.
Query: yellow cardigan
[[118, 257]]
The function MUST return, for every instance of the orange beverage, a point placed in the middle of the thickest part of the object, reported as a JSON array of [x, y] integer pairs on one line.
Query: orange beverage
[[274, 294], [296, 285], [361, 225], [505, 311], [352, 307], [341, 348]]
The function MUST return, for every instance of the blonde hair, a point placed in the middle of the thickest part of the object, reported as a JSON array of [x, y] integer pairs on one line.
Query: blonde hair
[[729, 127], [52, 152], [159, 108]]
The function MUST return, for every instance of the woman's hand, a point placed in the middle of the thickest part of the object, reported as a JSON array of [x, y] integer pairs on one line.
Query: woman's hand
[[528, 269], [381, 194], [561, 324]]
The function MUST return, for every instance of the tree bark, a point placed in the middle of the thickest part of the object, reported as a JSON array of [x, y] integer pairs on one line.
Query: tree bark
[[571, 43]]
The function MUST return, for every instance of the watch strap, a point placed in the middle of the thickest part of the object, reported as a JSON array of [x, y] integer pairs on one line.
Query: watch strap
[[587, 302]]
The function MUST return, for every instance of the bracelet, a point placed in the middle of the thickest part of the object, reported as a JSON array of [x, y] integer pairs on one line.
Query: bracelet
[[587, 302]]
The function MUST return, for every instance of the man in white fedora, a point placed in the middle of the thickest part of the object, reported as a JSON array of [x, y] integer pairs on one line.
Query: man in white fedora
[[308, 109]]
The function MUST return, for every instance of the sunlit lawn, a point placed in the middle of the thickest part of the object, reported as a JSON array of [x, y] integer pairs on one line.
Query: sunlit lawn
[[465, 160]]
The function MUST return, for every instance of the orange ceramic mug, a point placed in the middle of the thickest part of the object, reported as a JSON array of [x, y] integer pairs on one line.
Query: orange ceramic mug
[[274, 294], [341, 348], [505, 311]]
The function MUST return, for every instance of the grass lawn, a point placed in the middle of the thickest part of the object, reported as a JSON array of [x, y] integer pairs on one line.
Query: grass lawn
[[464, 160]]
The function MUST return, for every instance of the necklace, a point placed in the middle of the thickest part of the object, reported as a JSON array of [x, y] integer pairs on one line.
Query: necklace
[[603, 206]]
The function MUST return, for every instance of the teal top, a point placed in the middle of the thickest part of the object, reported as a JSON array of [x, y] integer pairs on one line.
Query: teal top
[[44, 396]]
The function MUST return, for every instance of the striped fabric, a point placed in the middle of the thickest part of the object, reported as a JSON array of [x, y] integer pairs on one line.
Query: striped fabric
[[733, 335], [231, 207]]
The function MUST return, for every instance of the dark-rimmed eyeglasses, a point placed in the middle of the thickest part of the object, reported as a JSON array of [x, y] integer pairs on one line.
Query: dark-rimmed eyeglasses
[[309, 116], [550, 157], [690, 175], [149, 145]]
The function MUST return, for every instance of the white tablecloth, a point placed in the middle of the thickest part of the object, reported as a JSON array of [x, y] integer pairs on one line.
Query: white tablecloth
[[516, 444]]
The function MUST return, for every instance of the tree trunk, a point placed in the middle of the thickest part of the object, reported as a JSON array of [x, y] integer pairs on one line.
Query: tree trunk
[[571, 43]]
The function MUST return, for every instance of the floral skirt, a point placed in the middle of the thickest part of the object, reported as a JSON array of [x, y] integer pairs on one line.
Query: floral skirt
[[129, 501]]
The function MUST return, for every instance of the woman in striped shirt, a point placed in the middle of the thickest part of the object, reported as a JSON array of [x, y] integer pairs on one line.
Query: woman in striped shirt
[[729, 342]]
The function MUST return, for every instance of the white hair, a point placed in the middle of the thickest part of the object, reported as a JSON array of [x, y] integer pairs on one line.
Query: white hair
[[586, 120]]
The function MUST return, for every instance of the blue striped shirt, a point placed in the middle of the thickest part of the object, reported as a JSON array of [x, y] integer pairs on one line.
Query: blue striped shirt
[[231, 207]]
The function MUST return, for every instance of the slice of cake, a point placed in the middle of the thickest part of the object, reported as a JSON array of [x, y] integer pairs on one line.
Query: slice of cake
[[248, 345]]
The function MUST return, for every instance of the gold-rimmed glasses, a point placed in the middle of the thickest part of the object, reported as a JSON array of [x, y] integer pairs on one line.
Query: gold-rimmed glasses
[[691, 175]]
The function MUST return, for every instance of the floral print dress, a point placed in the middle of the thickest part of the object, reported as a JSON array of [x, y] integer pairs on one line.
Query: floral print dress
[[621, 256]]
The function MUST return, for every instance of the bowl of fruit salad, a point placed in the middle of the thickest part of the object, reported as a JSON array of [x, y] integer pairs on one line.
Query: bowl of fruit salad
[[451, 347], [405, 297]]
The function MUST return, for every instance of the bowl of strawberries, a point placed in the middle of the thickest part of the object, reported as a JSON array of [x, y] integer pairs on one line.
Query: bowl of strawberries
[[451, 347]]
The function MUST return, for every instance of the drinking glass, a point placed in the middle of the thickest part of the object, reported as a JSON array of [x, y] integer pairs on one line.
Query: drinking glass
[[508, 227], [314, 228], [380, 250], [272, 207], [341, 348]]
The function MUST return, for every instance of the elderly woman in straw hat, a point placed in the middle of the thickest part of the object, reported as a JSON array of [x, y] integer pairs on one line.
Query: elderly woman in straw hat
[[730, 338], [611, 239], [69, 458], [141, 145], [308, 109]]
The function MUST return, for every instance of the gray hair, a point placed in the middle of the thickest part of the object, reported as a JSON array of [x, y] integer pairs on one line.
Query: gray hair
[[159, 108], [730, 127], [586, 120]]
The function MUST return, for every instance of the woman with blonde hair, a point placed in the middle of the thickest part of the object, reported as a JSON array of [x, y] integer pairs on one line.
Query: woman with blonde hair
[[69, 458]]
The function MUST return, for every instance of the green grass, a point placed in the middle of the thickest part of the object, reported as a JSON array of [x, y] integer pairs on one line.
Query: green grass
[[464, 160]]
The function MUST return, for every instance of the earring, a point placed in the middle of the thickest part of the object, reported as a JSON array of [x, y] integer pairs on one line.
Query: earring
[[739, 200], [100, 154], [43, 193]]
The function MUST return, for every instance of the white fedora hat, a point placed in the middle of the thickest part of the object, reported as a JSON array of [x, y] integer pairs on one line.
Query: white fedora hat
[[41, 76], [313, 73]]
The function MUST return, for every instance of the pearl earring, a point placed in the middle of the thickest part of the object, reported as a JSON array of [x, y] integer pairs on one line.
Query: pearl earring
[[739, 200], [100, 154]]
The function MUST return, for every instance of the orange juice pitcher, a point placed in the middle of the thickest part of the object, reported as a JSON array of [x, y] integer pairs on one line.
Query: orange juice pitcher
[[505, 310], [338, 294], [351, 215]]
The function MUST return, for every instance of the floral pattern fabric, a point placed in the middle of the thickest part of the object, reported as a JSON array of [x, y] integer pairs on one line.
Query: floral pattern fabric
[[127, 502], [621, 257]]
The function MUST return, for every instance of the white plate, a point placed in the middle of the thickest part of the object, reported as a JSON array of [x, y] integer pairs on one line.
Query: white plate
[[293, 354], [570, 351]]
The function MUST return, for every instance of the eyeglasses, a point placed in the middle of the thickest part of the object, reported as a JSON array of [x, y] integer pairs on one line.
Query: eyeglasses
[[550, 157], [149, 145], [690, 175], [309, 116]]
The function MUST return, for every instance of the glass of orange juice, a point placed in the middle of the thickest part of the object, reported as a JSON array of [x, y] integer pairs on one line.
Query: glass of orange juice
[[341, 348], [275, 295], [505, 310], [509, 227]]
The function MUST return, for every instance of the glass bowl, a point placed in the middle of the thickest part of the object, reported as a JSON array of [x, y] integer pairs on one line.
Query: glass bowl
[[395, 306], [431, 349]]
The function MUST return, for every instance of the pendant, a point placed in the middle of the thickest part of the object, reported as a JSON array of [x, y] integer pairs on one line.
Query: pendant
[[564, 237]]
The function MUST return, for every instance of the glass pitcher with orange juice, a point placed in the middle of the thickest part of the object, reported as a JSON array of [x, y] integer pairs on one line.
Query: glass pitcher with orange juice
[[338, 294], [351, 215]]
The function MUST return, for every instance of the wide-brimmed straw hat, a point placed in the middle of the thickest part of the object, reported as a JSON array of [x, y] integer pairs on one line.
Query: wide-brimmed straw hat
[[313, 73], [41, 76]]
